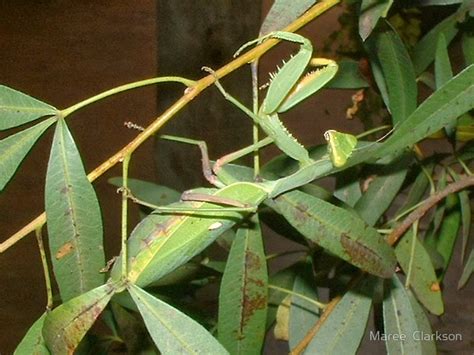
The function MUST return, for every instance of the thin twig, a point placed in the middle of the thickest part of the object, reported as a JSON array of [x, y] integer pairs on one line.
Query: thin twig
[[312, 332], [426, 206]]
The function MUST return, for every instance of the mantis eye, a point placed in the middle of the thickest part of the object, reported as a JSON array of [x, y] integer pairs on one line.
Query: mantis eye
[[340, 146]]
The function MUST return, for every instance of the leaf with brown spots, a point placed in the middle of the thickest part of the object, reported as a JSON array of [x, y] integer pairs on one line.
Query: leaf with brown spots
[[243, 294], [73, 218], [422, 273], [66, 325], [339, 231]]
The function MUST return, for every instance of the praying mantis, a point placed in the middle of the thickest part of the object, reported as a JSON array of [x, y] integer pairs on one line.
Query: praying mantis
[[287, 88]]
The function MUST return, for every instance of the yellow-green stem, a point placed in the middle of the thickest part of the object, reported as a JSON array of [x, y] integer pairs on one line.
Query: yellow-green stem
[[320, 305], [412, 254], [126, 87], [44, 263], [125, 165]]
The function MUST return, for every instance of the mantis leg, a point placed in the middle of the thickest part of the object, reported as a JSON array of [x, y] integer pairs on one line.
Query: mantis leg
[[234, 205], [240, 153], [210, 172], [206, 163]]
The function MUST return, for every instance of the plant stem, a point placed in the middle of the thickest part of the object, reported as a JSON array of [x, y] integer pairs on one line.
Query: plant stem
[[412, 255], [426, 206], [312, 332], [320, 305], [374, 130], [125, 165], [126, 87], [188, 96], [44, 263]]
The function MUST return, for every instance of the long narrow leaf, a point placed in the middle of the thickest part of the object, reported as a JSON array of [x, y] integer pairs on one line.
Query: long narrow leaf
[[465, 205], [243, 293], [67, 324], [424, 52], [399, 319], [428, 344], [284, 12], [370, 13], [468, 270], [398, 75], [448, 232], [343, 330], [339, 231], [17, 108], [468, 48], [33, 342], [417, 190], [382, 190], [73, 218], [442, 107], [14, 148], [172, 331], [422, 274]]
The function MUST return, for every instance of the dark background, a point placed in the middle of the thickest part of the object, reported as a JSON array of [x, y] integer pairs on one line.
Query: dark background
[[64, 51]]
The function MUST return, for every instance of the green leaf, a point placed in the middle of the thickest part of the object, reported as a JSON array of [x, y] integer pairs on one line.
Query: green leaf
[[14, 148], [343, 330], [370, 13], [424, 52], [465, 205], [17, 108], [66, 325], [415, 260], [468, 270], [399, 319], [348, 76], [443, 71], [243, 293], [161, 243], [382, 190], [442, 107], [303, 314], [428, 344], [339, 231], [417, 190], [444, 239], [73, 219], [284, 12], [398, 76], [150, 192], [437, 2], [468, 48], [33, 342], [172, 331], [348, 186]]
